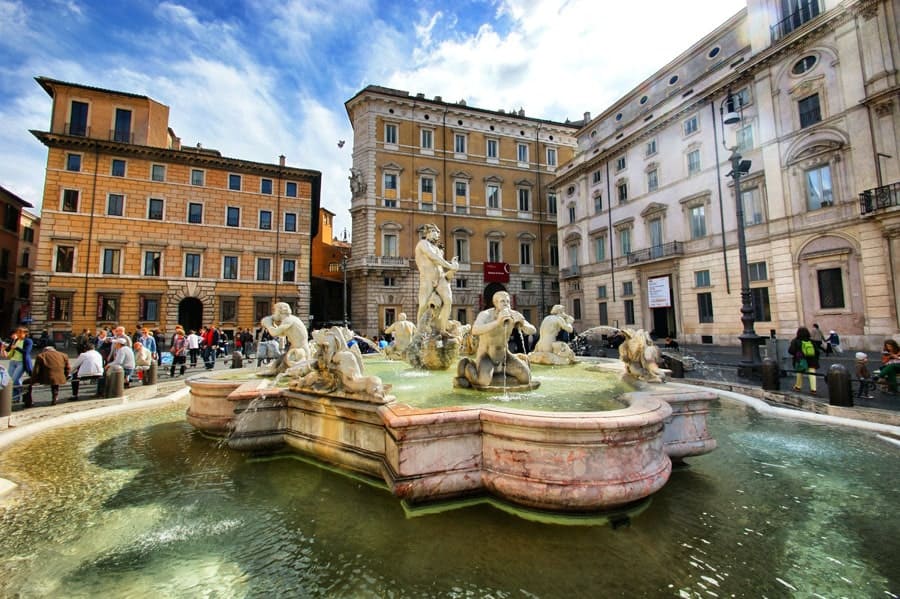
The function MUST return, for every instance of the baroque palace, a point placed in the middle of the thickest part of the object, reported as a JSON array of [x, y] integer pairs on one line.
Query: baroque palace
[[136, 228], [805, 93], [482, 176]]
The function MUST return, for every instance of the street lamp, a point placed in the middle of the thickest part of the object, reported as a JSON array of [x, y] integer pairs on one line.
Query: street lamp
[[750, 341], [344, 259]]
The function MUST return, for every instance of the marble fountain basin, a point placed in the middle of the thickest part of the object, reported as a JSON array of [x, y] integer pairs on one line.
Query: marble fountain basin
[[562, 461]]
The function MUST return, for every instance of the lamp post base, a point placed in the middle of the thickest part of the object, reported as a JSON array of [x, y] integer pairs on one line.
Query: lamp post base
[[750, 366]]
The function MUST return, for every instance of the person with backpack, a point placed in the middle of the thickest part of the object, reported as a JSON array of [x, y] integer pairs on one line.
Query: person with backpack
[[805, 356]]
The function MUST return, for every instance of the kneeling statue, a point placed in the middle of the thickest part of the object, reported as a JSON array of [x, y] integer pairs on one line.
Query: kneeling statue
[[548, 350]]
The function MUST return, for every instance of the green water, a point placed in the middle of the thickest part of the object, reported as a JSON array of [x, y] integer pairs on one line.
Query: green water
[[141, 505]]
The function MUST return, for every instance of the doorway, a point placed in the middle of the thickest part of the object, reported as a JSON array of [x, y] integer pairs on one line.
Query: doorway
[[190, 314]]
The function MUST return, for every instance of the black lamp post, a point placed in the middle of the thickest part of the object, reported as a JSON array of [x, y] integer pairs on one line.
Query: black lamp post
[[750, 341], [344, 259]]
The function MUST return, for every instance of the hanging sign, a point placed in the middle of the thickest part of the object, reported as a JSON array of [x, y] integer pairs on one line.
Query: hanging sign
[[658, 293]]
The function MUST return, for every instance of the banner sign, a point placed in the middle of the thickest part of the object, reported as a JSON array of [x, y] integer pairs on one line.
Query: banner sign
[[658, 294], [496, 272]]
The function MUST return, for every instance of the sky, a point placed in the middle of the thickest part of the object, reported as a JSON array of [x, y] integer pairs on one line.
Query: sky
[[256, 79]]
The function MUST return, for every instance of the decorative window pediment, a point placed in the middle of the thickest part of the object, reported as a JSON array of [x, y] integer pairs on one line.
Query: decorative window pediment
[[427, 171], [524, 183], [494, 234], [654, 208], [463, 231], [573, 237], [461, 175], [599, 232], [494, 179], [526, 236], [392, 167], [625, 223], [697, 199], [391, 226]]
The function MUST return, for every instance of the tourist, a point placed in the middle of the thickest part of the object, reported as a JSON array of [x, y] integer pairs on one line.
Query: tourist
[[88, 365], [51, 367], [143, 357], [862, 374], [805, 356], [832, 344], [179, 352], [817, 337], [890, 364], [19, 353], [672, 344], [193, 341], [148, 342], [123, 356]]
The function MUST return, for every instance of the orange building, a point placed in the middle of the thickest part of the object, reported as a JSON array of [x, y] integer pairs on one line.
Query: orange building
[[329, 260], [138, 229], [9, 250]]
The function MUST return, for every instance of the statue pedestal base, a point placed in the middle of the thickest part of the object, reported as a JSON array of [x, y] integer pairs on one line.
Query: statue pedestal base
[[433, 351], [498, 385]]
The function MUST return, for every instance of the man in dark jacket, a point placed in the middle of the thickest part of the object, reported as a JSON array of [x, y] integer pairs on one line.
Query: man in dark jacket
[[50, 367]]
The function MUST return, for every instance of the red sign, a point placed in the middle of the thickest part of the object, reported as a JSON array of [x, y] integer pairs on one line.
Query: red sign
[[496, 272]]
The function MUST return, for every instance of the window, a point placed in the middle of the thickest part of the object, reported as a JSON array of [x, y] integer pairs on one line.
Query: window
[[192, 265], [551, 156], [752, 206], [389, 281], [111, 261], [73, 162], [65, 258], [493, 197], [232, 216], [118, 168], [230, 267], [155, 209], [803, 65], [693, 159], [601, 291], [265, 219], [261, 309], [426, 139], [600, 249], [810, 112], [603, 314], [554, 255], [11, 220], [389, 203], [705, 307], [462, 249], [522, 152], [620, 163], [831, 288], [26, 259], [462, 189], [265, 186], [526, 285], [390, 181], [625, 241], [698, 222], [290, 189], [493, 149], [289, 271], [622, 191], [797, 12], [818, 188], [59, 307], [459, 143], [651, 148], [525, 253], [461, 283], [263, 269], [234, 182], [571, 213], [652, 180], [598, 202], [70, 200], [596, 177], [551, 203], [28, 234], [122, 131], [389, 245], [745, 138], [149, 309], [108, 308], [628, 288], [228, 310], [197, 176], [757, 271], [158, 172], [524, 199], [152, 263], [195, 212], [691, 125], [629, 311], [427, 184], [701, 278], [494, 253], [290, 222], [576, 308], [761, 308], [78, 118], [115, 204], [390, 134]]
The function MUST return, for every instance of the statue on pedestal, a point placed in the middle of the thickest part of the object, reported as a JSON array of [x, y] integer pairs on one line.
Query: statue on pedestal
[[641, 356], [548, 350], [403, 331], [283, 323]]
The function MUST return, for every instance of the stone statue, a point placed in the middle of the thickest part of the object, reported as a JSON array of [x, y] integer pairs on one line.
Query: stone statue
[[435, 274], [548, 350], [357, 185], [641, 356], [337, 369], [403, 331], [494, 366], [282, 323]]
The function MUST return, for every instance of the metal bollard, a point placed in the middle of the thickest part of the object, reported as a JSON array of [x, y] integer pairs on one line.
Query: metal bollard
[[150, 375], [840, 389], [6, 400], [237, 359], [771, 374], [115, 381]]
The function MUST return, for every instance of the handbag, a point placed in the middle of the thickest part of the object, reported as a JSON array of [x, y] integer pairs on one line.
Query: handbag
[[802, 365]]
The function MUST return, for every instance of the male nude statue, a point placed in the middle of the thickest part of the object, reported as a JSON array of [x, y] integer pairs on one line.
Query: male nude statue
[[403, 331], [282, 323], [434, 280]]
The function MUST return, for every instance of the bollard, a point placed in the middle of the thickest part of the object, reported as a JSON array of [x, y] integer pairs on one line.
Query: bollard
[[6, 400], [771, 374], [840, 389], [676, 366], [150, 374], [115, 381], [237, 359]]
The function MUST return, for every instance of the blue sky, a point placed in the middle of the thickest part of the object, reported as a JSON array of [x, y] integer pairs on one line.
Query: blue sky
[[255, 79]]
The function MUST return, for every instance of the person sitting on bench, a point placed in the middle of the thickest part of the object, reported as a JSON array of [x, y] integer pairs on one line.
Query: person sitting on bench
[[672, 344], [88, 365]]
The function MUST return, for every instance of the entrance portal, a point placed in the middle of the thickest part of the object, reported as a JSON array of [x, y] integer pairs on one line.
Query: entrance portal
[[190, 314]]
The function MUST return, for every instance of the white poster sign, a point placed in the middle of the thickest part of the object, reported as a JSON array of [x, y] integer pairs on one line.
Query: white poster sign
[[658, 294]]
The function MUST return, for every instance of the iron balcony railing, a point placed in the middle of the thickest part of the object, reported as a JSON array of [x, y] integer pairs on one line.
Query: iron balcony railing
[[674, 248], [880, 198], [569, 272], [79, 129], [807, 11]]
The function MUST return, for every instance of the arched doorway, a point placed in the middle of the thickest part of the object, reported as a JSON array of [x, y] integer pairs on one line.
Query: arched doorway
[[488, 295], [190, 314]]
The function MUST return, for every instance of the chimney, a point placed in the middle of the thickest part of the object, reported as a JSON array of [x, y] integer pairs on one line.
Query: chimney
[[281, 160], [587, 118], [438, 99], [420, 96], [521, 111]]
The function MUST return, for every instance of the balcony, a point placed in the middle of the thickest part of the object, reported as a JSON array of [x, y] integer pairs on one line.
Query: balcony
[[879, 199], [807, 11], [657, 252], [569, 272], [78, 129], [387, 262]]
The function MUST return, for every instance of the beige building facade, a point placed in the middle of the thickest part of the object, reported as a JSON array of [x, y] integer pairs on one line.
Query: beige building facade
[[482, 176], [647, 215], [136, 228]]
